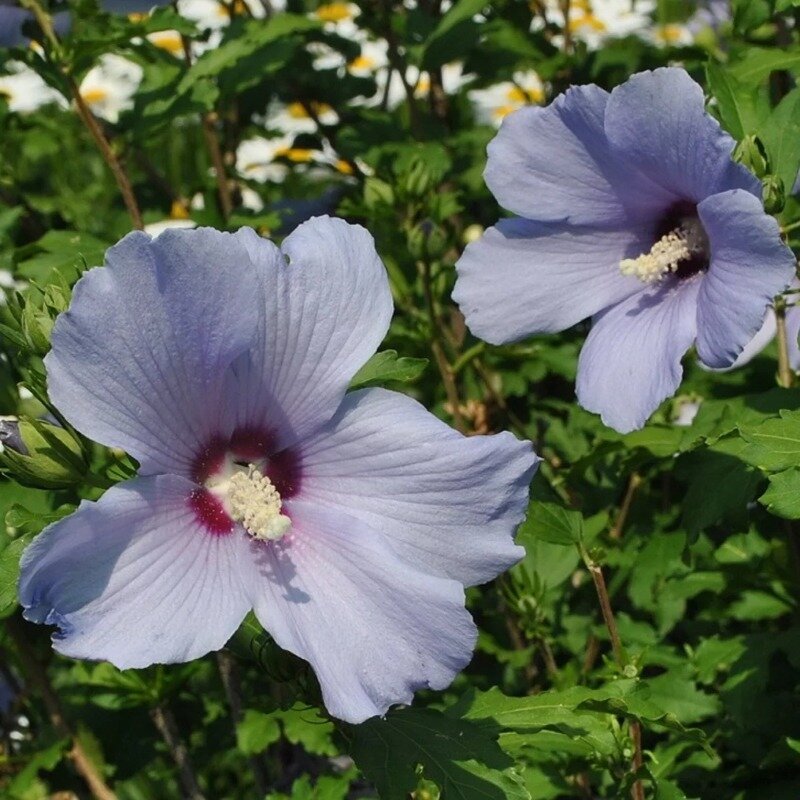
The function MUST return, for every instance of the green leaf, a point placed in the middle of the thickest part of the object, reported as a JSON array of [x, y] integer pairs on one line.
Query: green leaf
[[386, 367], [741, 106], [759, 63], [742, 548], [780, 133], [9, 573], [454, 35], [462, 757], [256, 732], [754, 605], [778, 440], [46, 759], [782, 498], [551, 522], [734, 486], [300, 725], [65, 252]]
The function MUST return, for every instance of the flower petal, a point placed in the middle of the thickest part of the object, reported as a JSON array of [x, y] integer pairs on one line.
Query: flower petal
[[631, 360], [327, 311], [766, 333], [135, 580], [526, 277], [555, 163], [656, 121], [140, 357], [750, 264], [373, 628], [445, 503]]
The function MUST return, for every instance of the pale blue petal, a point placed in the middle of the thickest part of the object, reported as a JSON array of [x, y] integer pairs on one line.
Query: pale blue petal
[[766, 334], [374, 629], [327, 308], [555, 163], [139, 360], [750, 264], [134, 579], [657, 123], [631, 360], [526, 277], [447, 504]]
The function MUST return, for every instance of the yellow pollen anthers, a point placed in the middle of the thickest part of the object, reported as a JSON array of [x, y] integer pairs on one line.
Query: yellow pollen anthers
[[334, 12], [95, 95], [253, 500], [362, 62], [683, 242]]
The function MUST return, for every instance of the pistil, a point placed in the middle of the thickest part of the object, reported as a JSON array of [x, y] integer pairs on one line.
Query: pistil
[[687, 241], [250, 497]]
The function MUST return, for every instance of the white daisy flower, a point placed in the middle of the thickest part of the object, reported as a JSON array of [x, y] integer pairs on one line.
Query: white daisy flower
[[264, 160], [339, 18], [25, 91], [453, 78], [294, 118], [213, 15], [109, 87], [595, 21], [496, 102]]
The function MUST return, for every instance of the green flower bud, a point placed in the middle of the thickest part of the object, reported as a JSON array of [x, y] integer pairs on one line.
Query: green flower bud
[[750, 152], [378, 193], [427, 241], [418, 180], [773, 194], [36, 453]]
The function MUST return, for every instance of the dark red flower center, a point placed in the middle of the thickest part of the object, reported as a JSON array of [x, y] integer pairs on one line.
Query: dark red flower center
[[245, 447]]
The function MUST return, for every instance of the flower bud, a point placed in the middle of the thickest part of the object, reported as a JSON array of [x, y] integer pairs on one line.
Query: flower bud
[[10, 436], [427, 240], [36, 453], [773, 194], [750, 152], [377, 193], [418, 180]]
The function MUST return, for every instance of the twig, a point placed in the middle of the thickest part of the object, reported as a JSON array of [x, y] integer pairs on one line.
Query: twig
[[229, 675], [565, 7], [209, 122], [103, 145], [165, 723], [637, 790], [220, 174], [396, 62], [438, 96], [35, 671], [443, 365], [785, 374], [595, 570], [92, 125], [634, 482]]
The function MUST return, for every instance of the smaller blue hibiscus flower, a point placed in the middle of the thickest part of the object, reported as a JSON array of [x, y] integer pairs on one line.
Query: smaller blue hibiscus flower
[[632, 212], [349, 523]]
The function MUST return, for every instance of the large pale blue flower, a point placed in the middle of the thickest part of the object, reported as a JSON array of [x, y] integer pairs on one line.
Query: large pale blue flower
[[632, 212], [14, 18], [350, 523]]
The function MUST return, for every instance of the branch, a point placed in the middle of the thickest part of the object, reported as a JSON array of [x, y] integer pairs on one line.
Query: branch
[[165, 723], [34, 670]]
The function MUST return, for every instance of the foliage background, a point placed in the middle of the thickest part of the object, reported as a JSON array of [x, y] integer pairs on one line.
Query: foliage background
[[690, 526]]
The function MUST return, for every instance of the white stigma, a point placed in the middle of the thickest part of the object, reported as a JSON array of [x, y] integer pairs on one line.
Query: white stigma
[[687, 240], [252, 499]]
